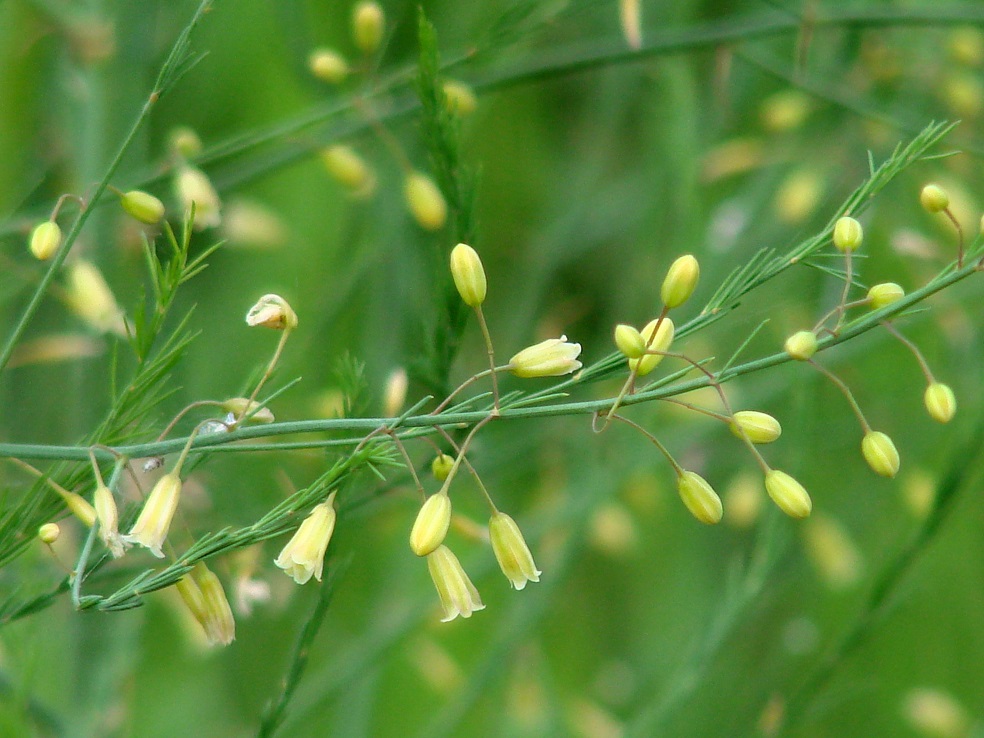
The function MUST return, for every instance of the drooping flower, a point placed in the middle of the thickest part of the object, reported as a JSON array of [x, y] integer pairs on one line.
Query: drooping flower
[[458, 594], [304, 554], [152, 524], [511, 551]]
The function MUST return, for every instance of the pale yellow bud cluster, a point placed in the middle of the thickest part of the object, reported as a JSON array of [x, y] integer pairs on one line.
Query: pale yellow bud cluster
[[658, 337]]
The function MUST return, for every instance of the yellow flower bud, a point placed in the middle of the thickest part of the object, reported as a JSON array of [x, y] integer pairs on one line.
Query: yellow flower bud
[[884, 294], [629, 341], [152, 524], [441, 467], [630, 15], [460, 98], [396, 392], [368, 23], [304, 553], [511, 551], [425, 201], [45, 240], [848, 234], [468, 274], [240, 406], [940, 402], [349, 169], [759, 427], [431, 525], [108, 517], [700, 498], [458, 594], [90, 298], [802, 345], [328, 65], [880, 453], [788, 494], [832, 552], [551, 358], [272, 311], [785, 111], [936, 714], [934, 199], [202, 593], [143, 206], [680, 281], [194, 188], [49, 532], [661, 342], [185, 142]]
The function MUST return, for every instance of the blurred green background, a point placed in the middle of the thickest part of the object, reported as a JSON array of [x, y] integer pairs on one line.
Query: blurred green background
[[592, 180]]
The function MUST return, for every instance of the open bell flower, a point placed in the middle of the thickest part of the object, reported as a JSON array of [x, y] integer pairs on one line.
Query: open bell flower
[[152, 524], [304, 554], [551, 358], [511, 551], [458, 594]]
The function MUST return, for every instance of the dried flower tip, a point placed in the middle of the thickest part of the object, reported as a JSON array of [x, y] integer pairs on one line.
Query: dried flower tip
[[880, 453], [349, 169], [328, 65], [185, 142], [759, 427], [89, 297], [396, 392], [680, 281], [45, 240], [629, 341], [441, 467], [458, 595], [468, 274], [143, 206], [48, 533], [511, 551], [240, 406], [788, 494], [368, 23], [425, 201], [934, 199], [193, 188], [848, 234], [460, 98], [700, 498], [431, 525], [109, 519], [152, 524], [217, 621], [802, 345], [884, 294], [272, 311], [304, 553], [662, 341], [551, 358], [941, 403]]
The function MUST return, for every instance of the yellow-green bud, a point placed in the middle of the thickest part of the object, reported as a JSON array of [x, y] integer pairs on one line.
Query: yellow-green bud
[[940, 402], [511, 551], [681, 279], [880, 453], [848, 234], [45, 240], [701, 500], [89, 296], [551, 358], [629, 341], [349, 169], [458, 594], [108, 517], [759, 427], [788, 494], [272, 311], [662, 341], [328, 65], [468, 274], [459, 97], [802, 345], [240, 406], [368, 23], [143, 206], [441, 466], [934, 199], [884, 294], [185, 142], [431, 525], [49, 532], [425, 201]]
